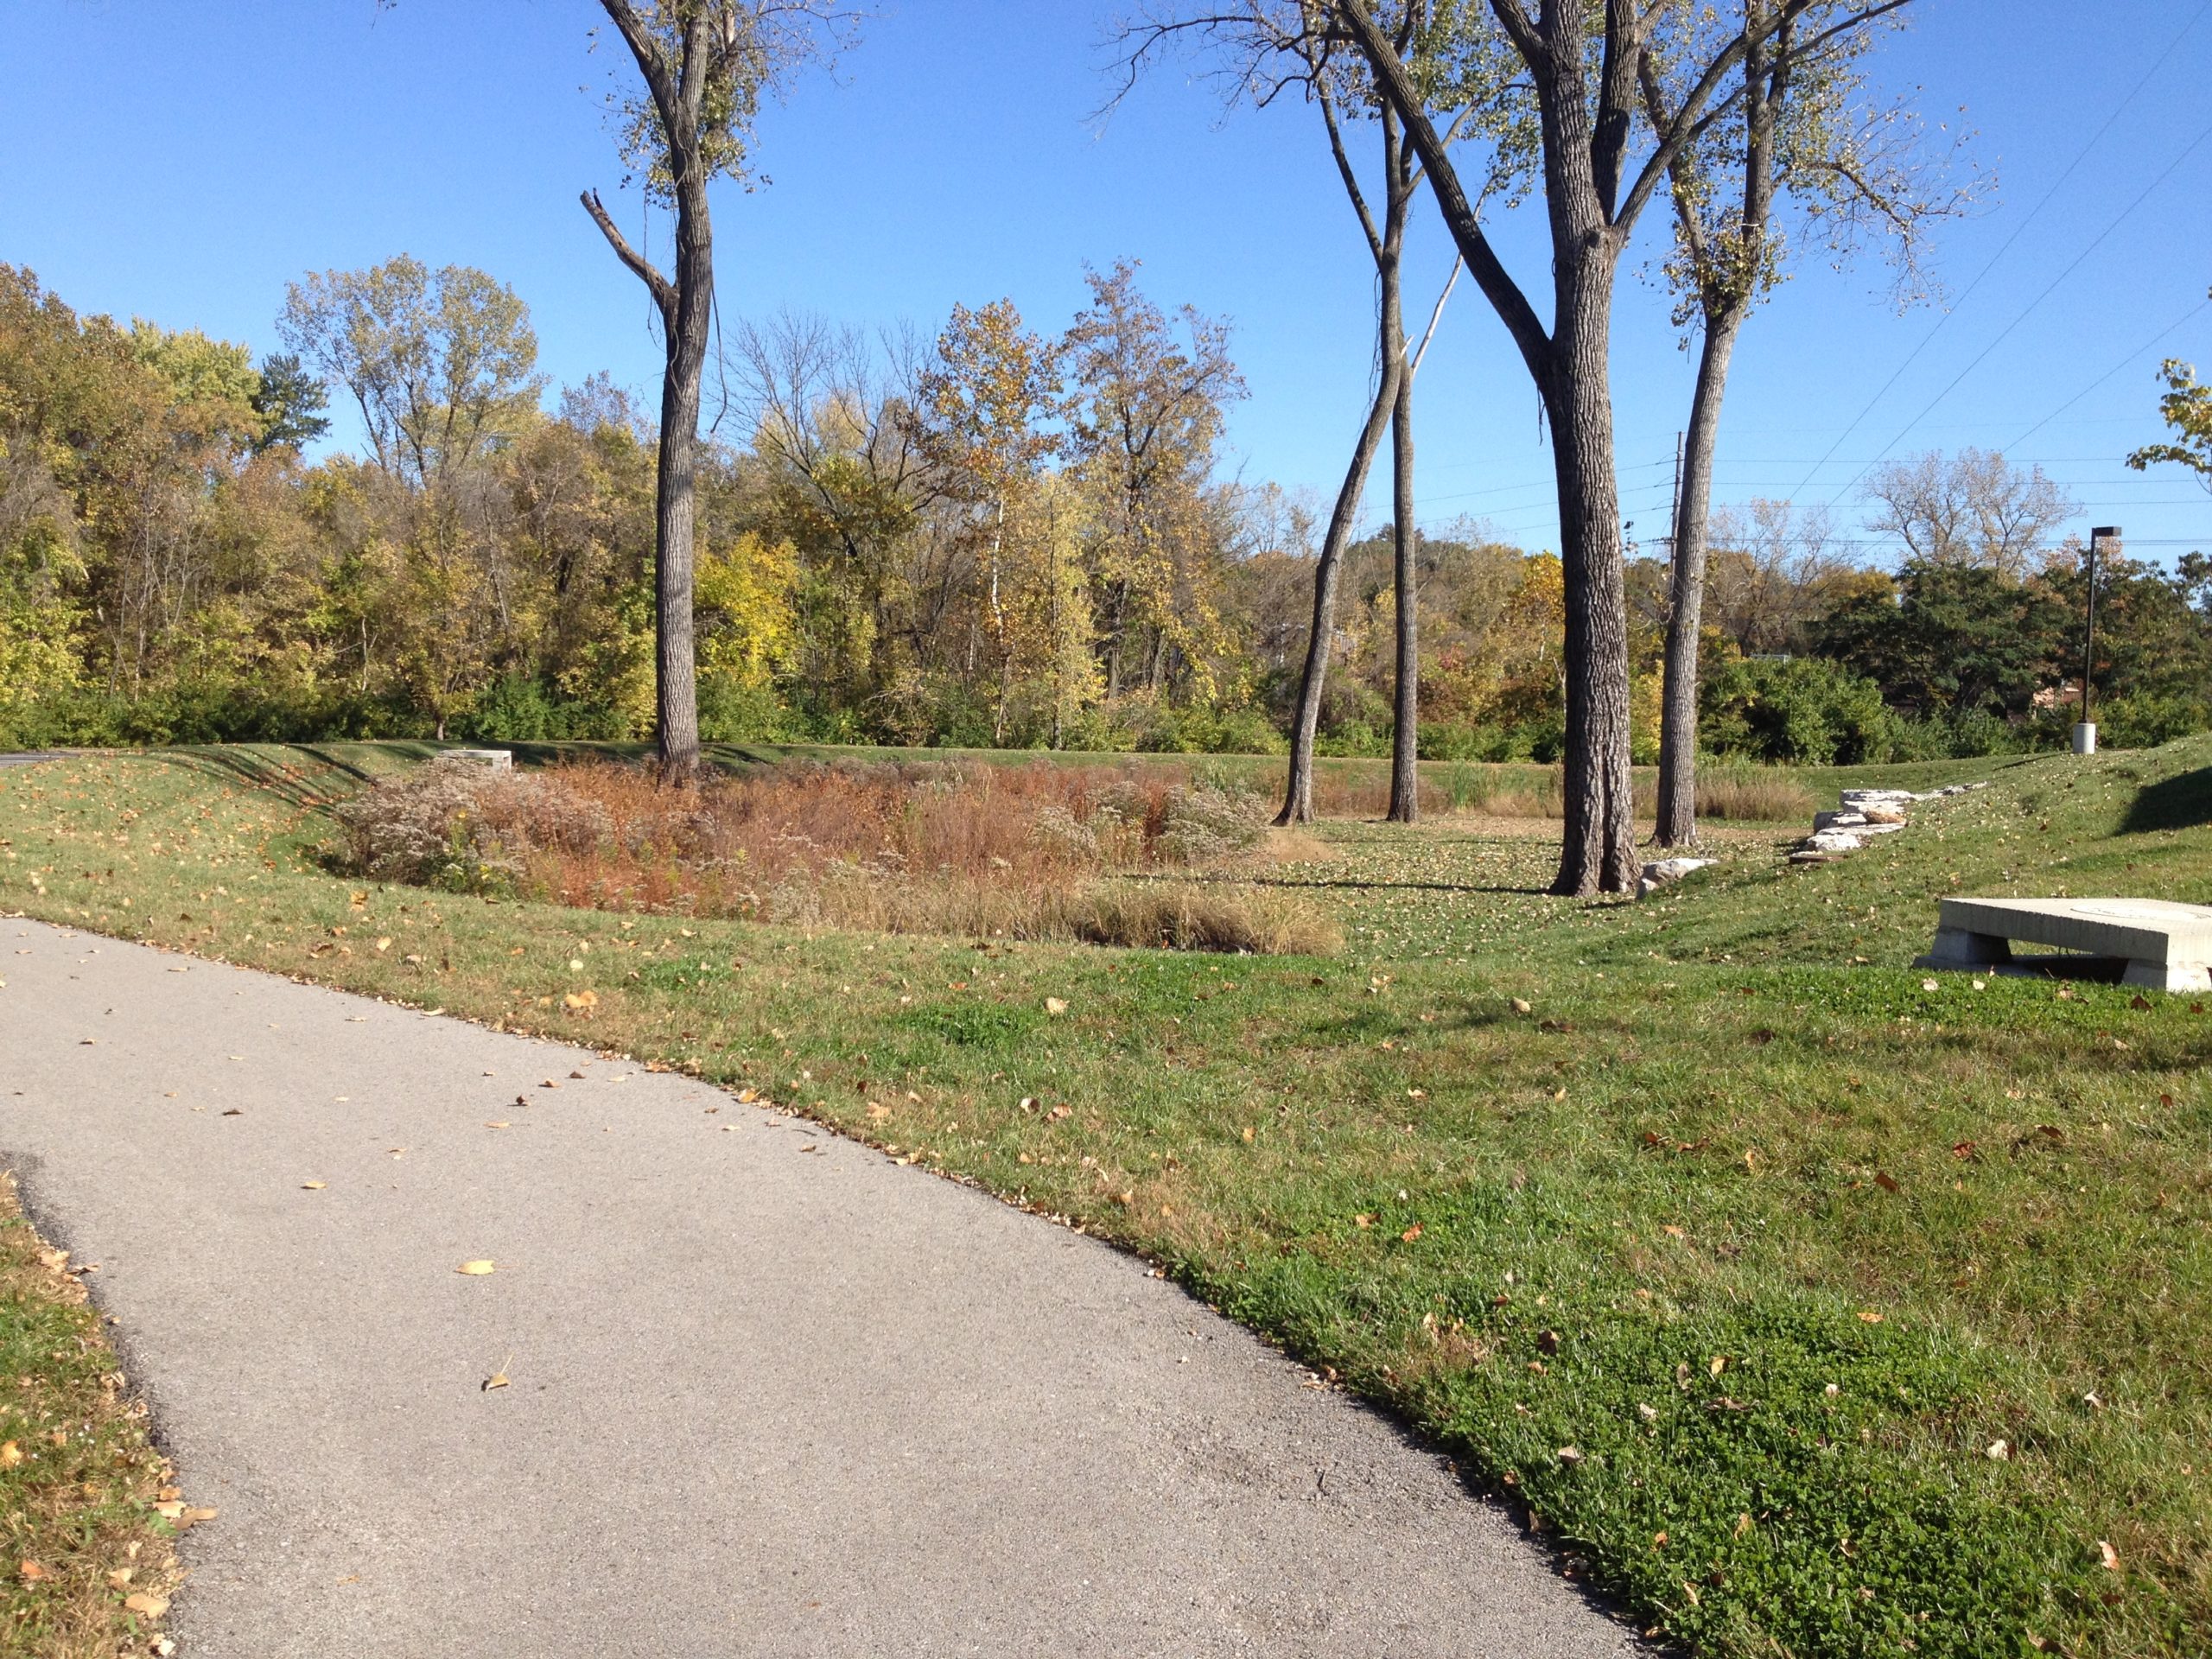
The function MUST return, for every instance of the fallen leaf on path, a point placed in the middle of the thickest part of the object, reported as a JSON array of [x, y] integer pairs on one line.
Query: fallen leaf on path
[[313, 1186], [498, 1378], [475, 1269], [501, 1124]]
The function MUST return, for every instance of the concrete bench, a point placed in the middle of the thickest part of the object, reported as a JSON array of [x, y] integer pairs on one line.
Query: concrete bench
[[2153, 943]]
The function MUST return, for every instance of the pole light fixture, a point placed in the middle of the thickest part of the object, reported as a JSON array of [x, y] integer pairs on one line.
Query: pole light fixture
[[2085, 733]]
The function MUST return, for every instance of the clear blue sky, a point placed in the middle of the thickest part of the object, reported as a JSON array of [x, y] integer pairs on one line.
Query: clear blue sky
[[184, 159]]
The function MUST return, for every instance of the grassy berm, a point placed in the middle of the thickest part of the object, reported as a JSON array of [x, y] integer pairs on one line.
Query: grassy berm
[[1807, 1305]]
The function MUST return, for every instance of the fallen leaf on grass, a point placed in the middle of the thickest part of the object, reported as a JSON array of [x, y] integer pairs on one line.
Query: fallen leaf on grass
[[1870, 1318], [383, 945], [1410, 1234], [2108, 1556], [1520, 1005], [1054, 1006], [1363, 1221], [475, 1269], [10, 1454], [580, 1000], [146, 1605], [33, 1573], [1886, 1181]]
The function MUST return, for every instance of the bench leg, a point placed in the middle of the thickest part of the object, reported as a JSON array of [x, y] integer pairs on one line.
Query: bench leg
[[1956, 948], [2168, 976]]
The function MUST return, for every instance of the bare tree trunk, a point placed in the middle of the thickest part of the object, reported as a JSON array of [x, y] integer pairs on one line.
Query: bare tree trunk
[[686, 307], [1298, 799], [677, 503], [1598, 852], [1677, 820], [1405, 742]]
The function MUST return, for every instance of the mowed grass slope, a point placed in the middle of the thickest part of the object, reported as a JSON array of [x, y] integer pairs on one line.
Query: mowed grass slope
[[1806, 1310]]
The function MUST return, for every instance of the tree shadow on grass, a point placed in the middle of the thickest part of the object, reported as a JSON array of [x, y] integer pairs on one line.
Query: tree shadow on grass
[[2177, 803], [301, 773]]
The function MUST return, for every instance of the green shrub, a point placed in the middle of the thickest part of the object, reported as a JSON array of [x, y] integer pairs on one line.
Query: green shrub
[[1796, 711]]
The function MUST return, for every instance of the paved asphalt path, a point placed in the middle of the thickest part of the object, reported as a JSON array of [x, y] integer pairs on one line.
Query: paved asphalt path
[[772, 1394], [31, 760]]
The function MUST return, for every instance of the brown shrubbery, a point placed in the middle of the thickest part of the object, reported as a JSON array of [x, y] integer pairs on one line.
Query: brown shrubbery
[[1040, 852]]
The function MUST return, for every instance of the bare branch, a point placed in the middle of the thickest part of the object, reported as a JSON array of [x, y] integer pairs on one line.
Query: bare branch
[[659, 287]]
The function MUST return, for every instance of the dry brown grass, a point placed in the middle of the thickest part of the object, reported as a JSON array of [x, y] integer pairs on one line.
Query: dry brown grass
[[1756, 798], [1013, 852], [78, 1479], [1184, 916]]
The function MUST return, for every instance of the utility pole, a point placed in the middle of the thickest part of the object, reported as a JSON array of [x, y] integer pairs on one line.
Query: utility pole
[[2085, 733], [1675, 512]]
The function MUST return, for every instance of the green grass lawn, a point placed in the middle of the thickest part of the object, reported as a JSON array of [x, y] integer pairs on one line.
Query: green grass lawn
[[1805, 1309]]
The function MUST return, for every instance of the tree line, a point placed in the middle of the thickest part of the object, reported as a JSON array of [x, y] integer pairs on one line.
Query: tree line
[[1009, 538]]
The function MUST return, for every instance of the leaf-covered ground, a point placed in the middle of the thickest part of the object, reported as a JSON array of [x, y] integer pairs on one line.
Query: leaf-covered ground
[[88, 1517], [1805, 1309]]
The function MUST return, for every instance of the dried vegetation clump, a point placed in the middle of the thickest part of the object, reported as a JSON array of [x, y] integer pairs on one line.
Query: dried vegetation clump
[[1101, 854]]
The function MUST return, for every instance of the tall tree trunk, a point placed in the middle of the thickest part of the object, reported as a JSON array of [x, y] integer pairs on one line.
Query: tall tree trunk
[[686, 307], [1584, 145], [677, 504], [1598, 852], [1405, 741], [1298, 797], [1677, 821]]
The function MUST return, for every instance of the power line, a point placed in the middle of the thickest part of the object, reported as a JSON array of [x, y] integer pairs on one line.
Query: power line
[[2048, 289], [2017, 230], [2108, 373]]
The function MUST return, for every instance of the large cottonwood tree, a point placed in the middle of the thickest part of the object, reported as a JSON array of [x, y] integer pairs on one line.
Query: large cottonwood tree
[[1266, 48], [707, 66], [1573, 99], [1800, 134]]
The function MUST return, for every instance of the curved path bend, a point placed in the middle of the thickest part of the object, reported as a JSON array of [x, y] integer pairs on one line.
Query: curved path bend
[[770, 1394]]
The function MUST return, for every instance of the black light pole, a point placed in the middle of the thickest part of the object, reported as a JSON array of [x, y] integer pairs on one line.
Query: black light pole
[[2085, 734]]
